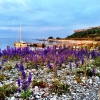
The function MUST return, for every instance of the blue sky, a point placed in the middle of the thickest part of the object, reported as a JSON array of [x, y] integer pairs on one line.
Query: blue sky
[[44, 18]]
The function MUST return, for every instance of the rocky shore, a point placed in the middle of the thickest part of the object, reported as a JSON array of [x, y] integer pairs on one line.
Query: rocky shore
[[52, 73]]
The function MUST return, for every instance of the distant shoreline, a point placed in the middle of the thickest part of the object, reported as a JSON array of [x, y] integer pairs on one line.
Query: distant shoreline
[[62, 42]]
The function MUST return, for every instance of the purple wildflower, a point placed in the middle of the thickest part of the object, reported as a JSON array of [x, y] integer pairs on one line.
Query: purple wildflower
[[36, 66], [0, 67], [82, 61], [26, 68], [21, 67], [36, 74], [19, 90], [24, 85], [23, 74], [18, 82], [16, 65], [29, 78], [93, 71], [2, 62], [21, 62], [70, 65], [49, 66], [62, 59], [77, 64]]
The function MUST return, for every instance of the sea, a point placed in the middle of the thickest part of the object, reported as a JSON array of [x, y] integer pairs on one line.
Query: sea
[[4, 42]]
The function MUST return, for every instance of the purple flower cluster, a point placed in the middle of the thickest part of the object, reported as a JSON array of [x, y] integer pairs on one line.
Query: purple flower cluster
[[0, 67], [50, 54], [24, 82], [93, 71]]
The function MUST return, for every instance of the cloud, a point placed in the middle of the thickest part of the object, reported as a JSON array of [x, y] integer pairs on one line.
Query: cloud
[[51, 28], [9, 28], [48, 16]]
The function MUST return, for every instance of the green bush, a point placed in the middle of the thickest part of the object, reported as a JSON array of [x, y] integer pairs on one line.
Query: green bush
[[89, 73], [97, 74], [2, 93], [26, 94]]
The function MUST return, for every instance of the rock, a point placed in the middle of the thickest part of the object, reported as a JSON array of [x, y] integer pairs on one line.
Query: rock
[[16, 94], [37, 96], [0, 84], [53, 98], [12, 98], [36, 89], [90, 81], [64, 96]]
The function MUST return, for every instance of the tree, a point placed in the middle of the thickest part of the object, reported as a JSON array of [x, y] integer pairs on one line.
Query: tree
[[50, 37], [58, 38]]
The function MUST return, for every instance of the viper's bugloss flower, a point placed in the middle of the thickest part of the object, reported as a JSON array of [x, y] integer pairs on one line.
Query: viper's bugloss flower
[[19, 90], [17, 66], [77, 64], [82, 60], [36, 66], [70, 65], [0, 67], [93, 54], [93, 71], [62, 59], [2, 62], [29, 78], [24, 85], [21, 67], [23, 74], [37, 74], [18, 82], [49, 65]]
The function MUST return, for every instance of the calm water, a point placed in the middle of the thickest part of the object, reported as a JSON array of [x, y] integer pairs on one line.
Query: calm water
[[4, 42]]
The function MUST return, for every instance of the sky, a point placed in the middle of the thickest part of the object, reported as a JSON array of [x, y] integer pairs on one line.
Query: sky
[[45, 18]]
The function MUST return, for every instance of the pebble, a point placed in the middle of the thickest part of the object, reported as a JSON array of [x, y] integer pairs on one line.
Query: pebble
[[12, 98]]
